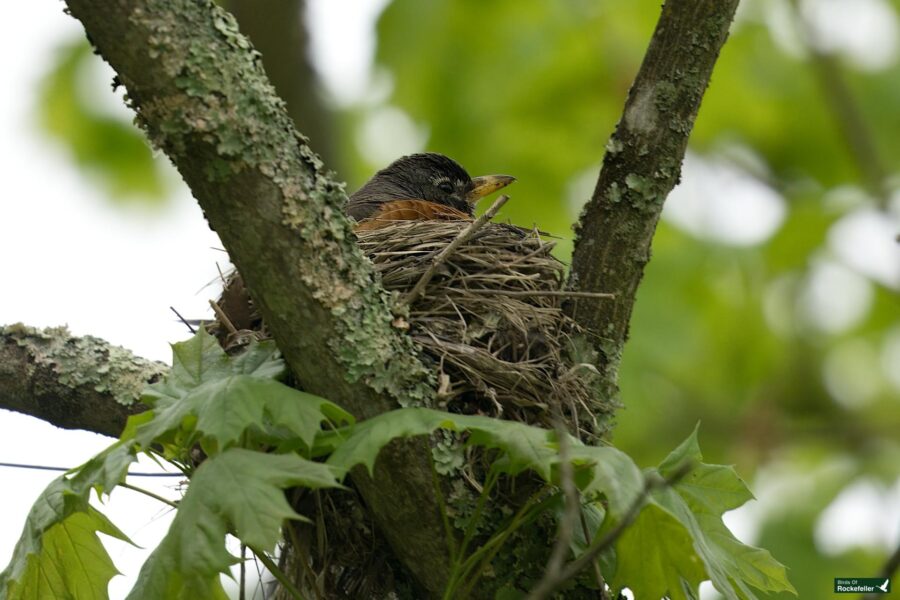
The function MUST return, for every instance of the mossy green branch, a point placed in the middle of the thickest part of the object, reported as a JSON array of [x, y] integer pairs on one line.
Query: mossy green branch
[[641, 166], [199, 92], [71, 382]]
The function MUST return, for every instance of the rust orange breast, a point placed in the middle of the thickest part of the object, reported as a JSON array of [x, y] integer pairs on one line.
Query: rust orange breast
[[411, 210]]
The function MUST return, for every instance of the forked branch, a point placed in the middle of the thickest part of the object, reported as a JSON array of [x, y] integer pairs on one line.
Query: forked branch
[[641, 166]]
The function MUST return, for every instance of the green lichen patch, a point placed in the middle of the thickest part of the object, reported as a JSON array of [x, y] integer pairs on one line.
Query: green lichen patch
[[224, 104], [86, 361]]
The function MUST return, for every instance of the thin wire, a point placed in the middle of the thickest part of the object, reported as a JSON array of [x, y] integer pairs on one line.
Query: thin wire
[[63, 470]]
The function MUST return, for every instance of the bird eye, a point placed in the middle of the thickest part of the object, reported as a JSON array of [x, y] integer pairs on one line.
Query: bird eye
[[445, 186]]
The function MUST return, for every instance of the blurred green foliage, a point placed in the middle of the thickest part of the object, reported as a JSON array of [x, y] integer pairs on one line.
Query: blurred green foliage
[[528, 88], [722, 333], [107, 147]]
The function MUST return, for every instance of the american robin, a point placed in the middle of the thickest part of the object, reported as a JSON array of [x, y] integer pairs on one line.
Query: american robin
[[420, 187]]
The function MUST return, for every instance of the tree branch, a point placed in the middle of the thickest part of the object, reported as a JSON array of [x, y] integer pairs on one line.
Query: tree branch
[[200, 93], [71, 382], [887, 570], [278, 30], [641, 166]]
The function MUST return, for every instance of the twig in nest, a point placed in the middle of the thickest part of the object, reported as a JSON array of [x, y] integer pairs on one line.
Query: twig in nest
[[471, 480], [450, 248], [223, 318], [183, 320], [526, 293], [222, 275]]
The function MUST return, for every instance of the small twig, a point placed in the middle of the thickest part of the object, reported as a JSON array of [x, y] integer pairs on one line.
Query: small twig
[[183, 320], [566, 528], [302, 557], [223, 318], [260, 584], [470, 479], [242, 593], [547, 586], [887, 571], [561, 293], [450, 248], [598, 575], [221, 274]]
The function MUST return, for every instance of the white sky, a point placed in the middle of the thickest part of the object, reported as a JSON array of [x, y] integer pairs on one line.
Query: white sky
[[66, 258]]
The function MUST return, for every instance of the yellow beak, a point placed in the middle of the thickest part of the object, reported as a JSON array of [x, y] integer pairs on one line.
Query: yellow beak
[[485, 185]]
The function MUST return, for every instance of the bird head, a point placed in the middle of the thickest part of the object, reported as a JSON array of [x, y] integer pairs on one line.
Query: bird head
[[429, 176]]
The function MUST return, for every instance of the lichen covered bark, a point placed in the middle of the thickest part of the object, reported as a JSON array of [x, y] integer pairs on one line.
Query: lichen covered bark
[[199, 91], [641, 166], [71, 382], [278, 29]]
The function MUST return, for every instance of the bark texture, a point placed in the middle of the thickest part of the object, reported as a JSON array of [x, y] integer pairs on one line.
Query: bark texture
[[72, 382], [277, 29], [641, 166], [200, 93]]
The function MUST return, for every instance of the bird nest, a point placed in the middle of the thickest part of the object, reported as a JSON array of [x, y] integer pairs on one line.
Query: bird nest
[[488, 315], [490, 318]]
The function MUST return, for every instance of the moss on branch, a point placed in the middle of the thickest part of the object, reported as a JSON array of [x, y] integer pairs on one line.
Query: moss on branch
[[71, 382], [641, 166]]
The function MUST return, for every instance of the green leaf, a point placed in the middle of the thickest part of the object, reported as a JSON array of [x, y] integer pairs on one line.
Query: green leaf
[[260, 359], [59, 554], [201, 359], [194, 361], [524, 447], [593, 515], [238, 491], [679, 540], [110, 148], [655, 558], [221, 397], [71, 562], [223, 409], [698, 502], [600, 470], [105, 470], [614, 475]]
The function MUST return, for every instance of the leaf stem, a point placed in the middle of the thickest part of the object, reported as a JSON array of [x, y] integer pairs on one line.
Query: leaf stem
[[572, 510], [442, 506], [476, 563], [456, 565], [149, 494], [276, 571], [547, 586]]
